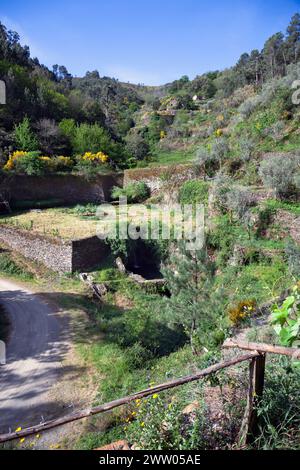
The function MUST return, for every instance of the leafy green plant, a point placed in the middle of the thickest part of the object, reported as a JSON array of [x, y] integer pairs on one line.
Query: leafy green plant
[[24, 137], [194, 192], [286, 319], [134, 192], [31, 164]]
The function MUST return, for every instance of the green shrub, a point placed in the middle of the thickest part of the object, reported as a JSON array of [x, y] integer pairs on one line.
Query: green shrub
[[24, 137], [194, 192], [9, 267], [278, 173], [292, 252], [134, 192], [279, 409], [31, 164], [286, 319]]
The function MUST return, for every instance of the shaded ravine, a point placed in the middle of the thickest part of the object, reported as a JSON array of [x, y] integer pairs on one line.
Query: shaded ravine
[[36, 347]]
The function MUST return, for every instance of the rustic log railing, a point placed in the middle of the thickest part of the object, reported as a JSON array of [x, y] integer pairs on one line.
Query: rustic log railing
[[256, 355]]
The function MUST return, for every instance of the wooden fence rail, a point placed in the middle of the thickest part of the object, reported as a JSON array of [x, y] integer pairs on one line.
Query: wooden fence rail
[[262, 348], [256, 355], [123, 401]]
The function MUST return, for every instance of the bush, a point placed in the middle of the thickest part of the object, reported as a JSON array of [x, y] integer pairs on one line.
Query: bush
[[246, 148], [134, 192], [194, 192], [137, 146], [221, 186], [214, 158], [91, 138], [292, 252], [241, 312], [279, 172], [280, 406], [32, 164], [24, 137], [239, 200]]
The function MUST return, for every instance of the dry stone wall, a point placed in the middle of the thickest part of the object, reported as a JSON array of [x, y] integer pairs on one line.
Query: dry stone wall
[[69, 189], [157, 177], [56, 254]]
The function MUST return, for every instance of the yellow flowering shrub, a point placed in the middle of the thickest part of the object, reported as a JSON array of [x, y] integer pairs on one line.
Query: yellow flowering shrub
[[47, 160], [53, 164], [98, 157], [63, 163], [10, 164], [243, 310]]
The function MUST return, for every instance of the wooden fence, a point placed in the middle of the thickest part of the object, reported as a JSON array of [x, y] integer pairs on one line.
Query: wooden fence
[[256, 354]]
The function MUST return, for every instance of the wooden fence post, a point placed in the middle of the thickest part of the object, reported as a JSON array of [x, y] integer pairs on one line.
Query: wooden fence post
[[249, 428]]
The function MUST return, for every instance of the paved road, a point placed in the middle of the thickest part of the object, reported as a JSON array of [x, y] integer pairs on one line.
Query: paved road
[[35, 350]]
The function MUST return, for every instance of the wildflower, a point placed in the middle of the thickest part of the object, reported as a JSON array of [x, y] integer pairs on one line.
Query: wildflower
[[18, 429], [142, 424], [22, 440], [155, 396]]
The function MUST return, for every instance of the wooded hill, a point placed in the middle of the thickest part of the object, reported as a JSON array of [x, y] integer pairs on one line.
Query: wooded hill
[[127, 122]]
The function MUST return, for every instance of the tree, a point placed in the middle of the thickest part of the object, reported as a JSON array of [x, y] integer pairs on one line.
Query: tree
[[91, 138], [239, 200], [194, 302], [293, 39], [24, 137], [273, 54], [51, 139], [137, 146]]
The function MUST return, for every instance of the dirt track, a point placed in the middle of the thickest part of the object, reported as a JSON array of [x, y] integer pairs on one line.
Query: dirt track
[[36, 347]]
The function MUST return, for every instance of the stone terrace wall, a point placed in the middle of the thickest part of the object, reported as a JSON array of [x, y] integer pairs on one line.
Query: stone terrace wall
[[87, 253], [69, 189], [157, 177], [54, 253]]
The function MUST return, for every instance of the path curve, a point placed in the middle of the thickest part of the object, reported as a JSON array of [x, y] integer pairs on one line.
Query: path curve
[[36, 347]]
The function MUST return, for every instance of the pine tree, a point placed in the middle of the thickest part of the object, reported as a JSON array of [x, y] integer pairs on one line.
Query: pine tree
[[194, 303], [293, 39], [24, 137]]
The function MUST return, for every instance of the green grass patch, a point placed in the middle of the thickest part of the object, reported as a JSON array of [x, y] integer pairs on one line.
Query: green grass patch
[[293, 207], [168, 157], [8, 267], [258, 281]]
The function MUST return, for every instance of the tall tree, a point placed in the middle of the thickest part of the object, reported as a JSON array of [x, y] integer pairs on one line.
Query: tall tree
[[293, 39], [273, 54], [194, 302]]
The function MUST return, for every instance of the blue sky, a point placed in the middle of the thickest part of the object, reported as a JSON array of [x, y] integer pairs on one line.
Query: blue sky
[[145, 41]]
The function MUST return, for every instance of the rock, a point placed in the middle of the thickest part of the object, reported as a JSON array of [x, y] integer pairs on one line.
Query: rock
[[120, 265], [191, 408], [118, 445], [101, 289]]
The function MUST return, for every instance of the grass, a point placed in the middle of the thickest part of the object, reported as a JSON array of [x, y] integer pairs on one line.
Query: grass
[[171, 157], [293, 207], [81, 221], [9, 267]]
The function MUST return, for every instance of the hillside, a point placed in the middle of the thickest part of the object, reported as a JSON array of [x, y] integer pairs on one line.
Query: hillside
[[249, 105], [154, 309]]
